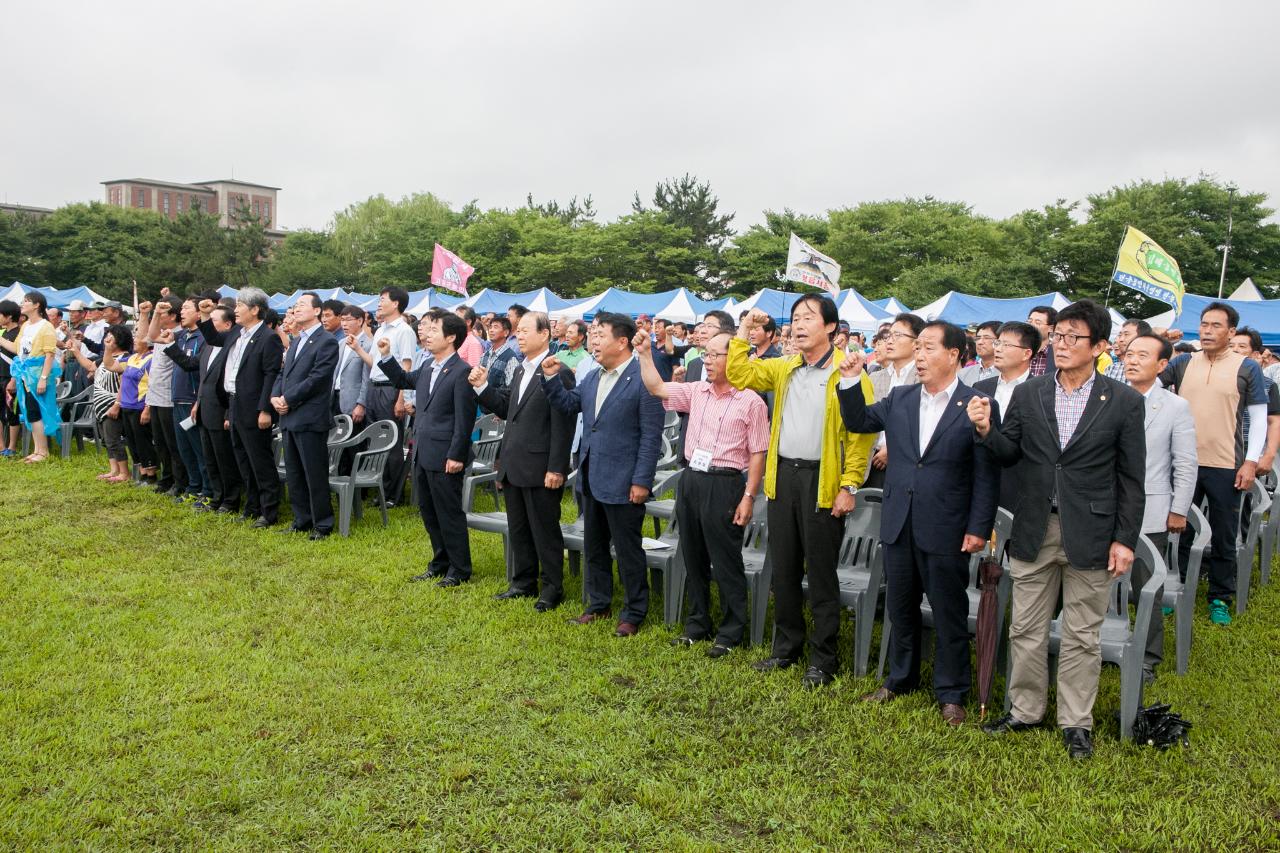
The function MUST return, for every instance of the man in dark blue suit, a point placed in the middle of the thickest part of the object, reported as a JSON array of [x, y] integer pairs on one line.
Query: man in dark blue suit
[[446, 414], [621, 441], [940, 494], [302, 396]]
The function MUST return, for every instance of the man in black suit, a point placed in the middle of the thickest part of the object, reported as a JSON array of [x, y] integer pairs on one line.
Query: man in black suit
[[210, 411], [249, 376], [1015, 344], [533, 462], [446, 414], [302, 397], [1078, 440], [939, 505]]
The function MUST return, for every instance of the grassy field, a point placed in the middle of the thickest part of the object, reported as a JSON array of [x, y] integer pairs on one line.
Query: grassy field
[[179, 681]]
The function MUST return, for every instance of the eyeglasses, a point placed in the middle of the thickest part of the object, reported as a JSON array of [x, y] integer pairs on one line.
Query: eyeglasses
[[1002, 344], [1067, 339], [897, 336], [710, 355]]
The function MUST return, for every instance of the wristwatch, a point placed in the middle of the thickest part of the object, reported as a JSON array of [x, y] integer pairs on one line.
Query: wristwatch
[[852, 490]]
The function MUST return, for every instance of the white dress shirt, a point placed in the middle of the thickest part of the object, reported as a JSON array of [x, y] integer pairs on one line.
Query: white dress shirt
[[931, 408], [1004, 390], [233, 357], [532, 367], [402, 346]]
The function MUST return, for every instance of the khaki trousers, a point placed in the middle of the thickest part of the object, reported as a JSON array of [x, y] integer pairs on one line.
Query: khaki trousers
[[1036, 584]]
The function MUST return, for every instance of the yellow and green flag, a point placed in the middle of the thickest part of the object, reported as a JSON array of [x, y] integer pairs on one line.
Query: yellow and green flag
[[1143, 266]]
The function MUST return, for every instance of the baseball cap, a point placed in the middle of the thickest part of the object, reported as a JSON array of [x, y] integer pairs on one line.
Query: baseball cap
[[77, 305]]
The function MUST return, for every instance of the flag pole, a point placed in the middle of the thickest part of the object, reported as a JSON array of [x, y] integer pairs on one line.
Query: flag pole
[[1106, 303], [1226, 247]]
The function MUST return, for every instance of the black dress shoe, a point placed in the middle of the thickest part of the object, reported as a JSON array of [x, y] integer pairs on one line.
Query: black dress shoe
[[814, 678], [261, 523], [718, 651], [293, 529], [1006, 724], [542, 605], [224, 510], [317, 535], [1079, 742], [448, 582], [770, 664], [514, 593]]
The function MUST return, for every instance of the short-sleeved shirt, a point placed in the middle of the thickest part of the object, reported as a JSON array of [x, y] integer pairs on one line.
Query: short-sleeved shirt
[[800, 435], [471, 350], [732, 425], [135, 381], [160, 384], [403, 345], [571, 358], [37, 338], [1220, 393]]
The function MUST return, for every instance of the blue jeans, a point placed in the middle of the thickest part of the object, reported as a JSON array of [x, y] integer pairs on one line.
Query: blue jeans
[[188, 441]]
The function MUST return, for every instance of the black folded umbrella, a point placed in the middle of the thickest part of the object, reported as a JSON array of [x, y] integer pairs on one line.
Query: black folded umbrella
[[989, 574], [1159, 727]]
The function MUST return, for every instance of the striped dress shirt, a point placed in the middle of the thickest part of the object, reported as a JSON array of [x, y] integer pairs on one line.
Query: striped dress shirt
[[732, 425]]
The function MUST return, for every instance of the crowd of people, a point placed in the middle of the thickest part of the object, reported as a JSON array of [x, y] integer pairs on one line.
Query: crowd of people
[[1089, 442]]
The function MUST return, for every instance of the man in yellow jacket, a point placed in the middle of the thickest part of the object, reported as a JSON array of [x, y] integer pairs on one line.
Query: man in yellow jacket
[[813, 471]]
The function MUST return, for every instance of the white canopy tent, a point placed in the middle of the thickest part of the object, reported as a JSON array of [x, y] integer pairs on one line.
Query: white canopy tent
[[1247, 292]]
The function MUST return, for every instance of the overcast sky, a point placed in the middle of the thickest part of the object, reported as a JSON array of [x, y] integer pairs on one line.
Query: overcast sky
[[811, 106]]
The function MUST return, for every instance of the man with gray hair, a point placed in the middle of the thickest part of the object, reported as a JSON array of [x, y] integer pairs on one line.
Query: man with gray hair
[[253, 363]]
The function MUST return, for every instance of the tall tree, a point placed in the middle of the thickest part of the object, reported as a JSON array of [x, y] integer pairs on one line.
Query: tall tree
[[690, 204]]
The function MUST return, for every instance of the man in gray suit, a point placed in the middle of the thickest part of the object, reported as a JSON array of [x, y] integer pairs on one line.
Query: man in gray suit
[[351, 377], [1171, 466]]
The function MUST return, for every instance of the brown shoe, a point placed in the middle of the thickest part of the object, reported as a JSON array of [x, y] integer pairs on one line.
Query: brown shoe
[[882, 695], [588, 618], [626, 629], [953, 714]]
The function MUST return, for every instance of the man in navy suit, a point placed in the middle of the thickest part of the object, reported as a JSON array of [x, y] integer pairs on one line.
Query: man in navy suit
[[254, 354], [302, 397], [446, 414], [621, 441], [940, 495]]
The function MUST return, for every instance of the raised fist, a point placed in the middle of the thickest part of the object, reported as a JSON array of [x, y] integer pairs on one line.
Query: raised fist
[[640, 343], [144, 307], [979, 411], [477, 377], [851, 367], [550, 366], [206, 307], [384, 346], [756, 317]]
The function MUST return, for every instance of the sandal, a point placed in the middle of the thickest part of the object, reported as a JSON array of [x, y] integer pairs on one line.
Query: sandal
[[36, 457]]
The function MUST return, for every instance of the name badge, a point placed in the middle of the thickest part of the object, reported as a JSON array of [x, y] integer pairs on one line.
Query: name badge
[[701, 460]]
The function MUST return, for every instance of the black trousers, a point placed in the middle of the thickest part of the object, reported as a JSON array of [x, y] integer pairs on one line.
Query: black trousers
[[252, 449], [440, 503], [804, 536], [306, 465], [533, 527], [910, 574], [617, 525], [1141, 574], [220, 463], [1219, 486], [138, 438], [172, 471], [381, 407], [711, 547]]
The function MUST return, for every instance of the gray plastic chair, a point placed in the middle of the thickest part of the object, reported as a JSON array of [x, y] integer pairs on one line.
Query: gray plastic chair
[[1249, 544], [758, 567], [662, 509], [486, 522], [1124, 642], [484, 465], [1181, 583], [82, 421], [366, 473], [574, 536], [76, 405], [1003, 531], [1270, 532], [667, 560]]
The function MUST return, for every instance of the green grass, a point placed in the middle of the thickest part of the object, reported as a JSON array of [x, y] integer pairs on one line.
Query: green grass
[[178, 681]]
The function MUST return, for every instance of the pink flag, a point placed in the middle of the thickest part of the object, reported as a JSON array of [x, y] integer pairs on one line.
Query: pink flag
[[450, 271]]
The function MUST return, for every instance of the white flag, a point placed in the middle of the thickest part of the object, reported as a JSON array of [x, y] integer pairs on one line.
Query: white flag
[[807, 265]]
